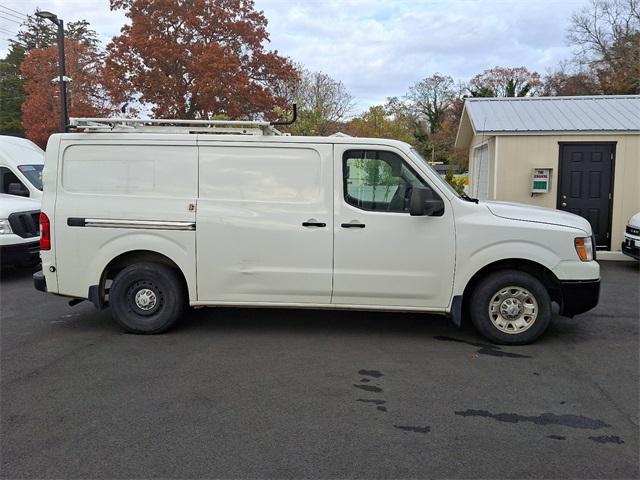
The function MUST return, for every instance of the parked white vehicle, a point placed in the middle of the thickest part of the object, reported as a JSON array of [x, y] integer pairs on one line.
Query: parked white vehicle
[[19, 230], [21, 164], [147, 219], [631, 243]]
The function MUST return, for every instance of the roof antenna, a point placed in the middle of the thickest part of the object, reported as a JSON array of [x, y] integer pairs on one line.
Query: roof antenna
[[288, 122]]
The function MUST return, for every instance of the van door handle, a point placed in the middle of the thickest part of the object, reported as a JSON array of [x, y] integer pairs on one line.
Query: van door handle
[[313, 224], [353, 225]]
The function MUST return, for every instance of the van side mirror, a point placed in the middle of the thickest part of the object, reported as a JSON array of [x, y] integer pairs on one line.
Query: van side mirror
[[423, 203], [16, 188]]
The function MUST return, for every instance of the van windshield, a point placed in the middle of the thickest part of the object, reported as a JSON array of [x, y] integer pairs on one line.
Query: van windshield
[[33, 174], [418, 157]]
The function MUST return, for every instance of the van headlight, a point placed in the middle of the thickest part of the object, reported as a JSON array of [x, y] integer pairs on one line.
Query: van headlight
[[584, 247], [5, 227]]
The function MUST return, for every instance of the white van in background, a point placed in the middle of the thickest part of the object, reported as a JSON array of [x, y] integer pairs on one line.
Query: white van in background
[[150, 216], [631, 243], [19, 231], [21, 164]]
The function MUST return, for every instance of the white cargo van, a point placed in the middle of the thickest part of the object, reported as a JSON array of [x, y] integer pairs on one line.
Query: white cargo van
[[19, 230], [21, 164], [149, 217]]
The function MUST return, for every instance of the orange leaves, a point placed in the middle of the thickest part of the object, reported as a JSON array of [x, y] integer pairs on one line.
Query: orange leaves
[[196, 59], [86, 97]]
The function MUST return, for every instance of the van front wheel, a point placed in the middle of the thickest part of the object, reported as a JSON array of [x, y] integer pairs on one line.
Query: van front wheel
[[146, 298], [510, 307]]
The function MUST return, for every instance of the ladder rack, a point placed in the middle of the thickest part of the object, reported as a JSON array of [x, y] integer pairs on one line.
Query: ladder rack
[[135, 125]]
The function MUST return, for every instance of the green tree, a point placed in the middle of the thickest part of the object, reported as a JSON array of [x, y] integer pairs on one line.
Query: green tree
[[34, 33], [380, 122], [12, 93], [482, 91]]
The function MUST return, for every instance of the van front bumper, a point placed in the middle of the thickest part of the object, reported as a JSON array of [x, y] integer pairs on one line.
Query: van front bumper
[[578, 296], [21, 254], [629, 247]]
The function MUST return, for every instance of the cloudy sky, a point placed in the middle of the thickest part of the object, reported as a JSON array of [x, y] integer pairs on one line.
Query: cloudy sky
[[378, 48]]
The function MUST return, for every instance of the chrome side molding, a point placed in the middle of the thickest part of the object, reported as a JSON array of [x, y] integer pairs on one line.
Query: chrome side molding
[[135, 224]]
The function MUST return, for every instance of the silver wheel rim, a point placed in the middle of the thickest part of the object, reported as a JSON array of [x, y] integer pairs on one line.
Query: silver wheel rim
[[145, 299], [513, 310]]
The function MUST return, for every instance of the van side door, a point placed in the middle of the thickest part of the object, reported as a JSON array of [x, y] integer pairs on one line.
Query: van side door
[[264, 223], [382, 255]]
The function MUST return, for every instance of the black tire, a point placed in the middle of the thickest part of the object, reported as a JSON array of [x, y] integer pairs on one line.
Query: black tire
[[163, 306], [488, 290]]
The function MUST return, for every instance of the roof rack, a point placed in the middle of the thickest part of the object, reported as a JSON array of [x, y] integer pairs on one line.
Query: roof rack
[[135, 125]]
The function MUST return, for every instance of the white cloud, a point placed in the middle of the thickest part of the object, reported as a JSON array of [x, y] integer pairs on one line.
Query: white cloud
[[379, 48]]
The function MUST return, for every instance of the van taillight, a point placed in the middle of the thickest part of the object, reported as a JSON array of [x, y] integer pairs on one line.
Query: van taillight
[[45, 232]]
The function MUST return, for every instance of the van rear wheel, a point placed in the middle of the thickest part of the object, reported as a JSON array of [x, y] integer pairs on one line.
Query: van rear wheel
[[146, 298], [510, 307]]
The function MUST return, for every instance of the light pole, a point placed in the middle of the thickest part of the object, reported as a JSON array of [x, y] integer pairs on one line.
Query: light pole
[[61, 70]]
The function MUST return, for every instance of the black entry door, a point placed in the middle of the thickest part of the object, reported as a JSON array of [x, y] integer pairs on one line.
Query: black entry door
[[585, 185]]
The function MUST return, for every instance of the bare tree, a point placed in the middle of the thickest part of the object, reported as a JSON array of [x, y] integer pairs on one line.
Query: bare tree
[[431, 97], [607, 39], [322, 101], [596, 29]]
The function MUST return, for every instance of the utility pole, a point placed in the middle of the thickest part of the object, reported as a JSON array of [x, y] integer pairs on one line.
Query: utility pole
[[64, 118]]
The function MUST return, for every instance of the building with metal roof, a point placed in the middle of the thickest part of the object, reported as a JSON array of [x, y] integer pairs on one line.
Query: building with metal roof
[[580, 154]]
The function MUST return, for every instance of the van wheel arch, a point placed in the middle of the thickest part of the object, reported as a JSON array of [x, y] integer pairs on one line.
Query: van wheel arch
[[98, 293], [537, 270]]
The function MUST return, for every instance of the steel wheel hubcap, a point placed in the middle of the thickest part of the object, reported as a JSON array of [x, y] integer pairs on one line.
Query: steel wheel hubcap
[[145, 299], [513, 309]]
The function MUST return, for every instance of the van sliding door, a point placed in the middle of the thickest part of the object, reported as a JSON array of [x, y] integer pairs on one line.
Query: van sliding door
[[264, 223]]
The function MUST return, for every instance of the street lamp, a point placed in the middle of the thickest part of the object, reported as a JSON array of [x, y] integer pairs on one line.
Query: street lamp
[[61, 70]]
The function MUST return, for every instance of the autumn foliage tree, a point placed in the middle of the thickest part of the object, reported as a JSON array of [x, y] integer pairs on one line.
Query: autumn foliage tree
[[86, 97], [195, 59], [506, 82], [380, 122]]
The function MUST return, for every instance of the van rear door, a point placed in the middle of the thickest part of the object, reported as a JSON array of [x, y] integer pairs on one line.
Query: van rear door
[[122, 192], [264, 222]]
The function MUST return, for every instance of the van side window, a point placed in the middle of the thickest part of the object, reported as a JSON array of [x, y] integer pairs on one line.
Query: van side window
[[11, 184], [378, 180]]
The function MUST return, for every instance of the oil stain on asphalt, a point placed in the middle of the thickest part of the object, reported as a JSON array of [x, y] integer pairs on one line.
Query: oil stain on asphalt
[[607, 439], [379, 404], [485, 348], [573, 421], [368, 388], [410, 428]]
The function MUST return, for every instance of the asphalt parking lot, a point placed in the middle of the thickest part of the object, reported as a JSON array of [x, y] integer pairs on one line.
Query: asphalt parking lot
[[316, 394]]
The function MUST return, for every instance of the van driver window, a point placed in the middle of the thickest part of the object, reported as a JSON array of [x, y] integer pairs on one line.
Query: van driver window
[[378, 180]]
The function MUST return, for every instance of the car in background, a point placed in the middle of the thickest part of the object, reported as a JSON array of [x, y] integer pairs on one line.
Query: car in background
[[19, 231], [21, 165], [631, 243]]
